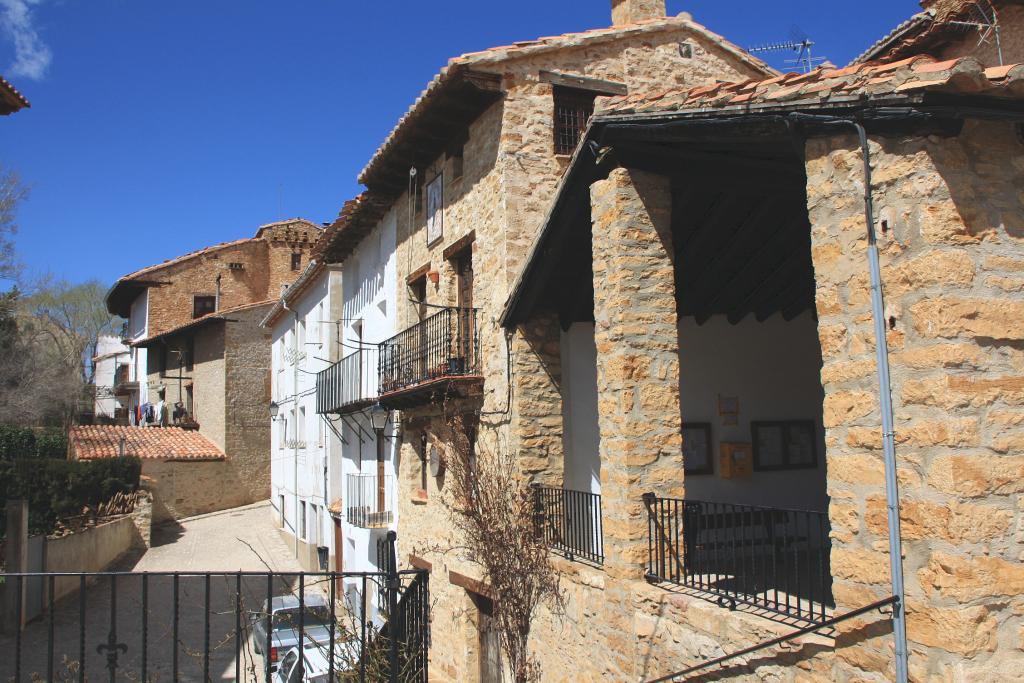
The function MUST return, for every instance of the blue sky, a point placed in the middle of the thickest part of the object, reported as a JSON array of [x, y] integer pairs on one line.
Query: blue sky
[[159, 128]]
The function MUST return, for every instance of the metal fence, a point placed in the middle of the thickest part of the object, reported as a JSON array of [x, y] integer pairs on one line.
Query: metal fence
[[570, 521], [208, 626], [770, 558], [445, 344], [370, 500], [349, 384]]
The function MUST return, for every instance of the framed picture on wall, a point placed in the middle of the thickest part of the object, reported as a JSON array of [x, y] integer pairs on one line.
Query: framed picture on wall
[[435, 209], [697, 448], [784, 445]]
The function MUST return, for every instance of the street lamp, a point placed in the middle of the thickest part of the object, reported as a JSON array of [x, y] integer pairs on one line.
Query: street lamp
[[274, 410], [378, 416]]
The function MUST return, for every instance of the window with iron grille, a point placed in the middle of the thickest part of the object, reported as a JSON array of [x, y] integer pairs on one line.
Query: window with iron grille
[[573, 109], [203, 305]]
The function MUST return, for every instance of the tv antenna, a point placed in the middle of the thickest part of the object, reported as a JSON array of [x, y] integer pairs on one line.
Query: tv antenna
[[801, 44], [981, 17]]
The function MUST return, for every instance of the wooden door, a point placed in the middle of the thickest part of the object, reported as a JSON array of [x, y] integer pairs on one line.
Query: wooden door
[[465, 328], [381, 497], [419, 363], [489, 644], [339, 560]]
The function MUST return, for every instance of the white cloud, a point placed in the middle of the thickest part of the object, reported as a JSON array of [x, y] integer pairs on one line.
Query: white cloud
[[31, 55]]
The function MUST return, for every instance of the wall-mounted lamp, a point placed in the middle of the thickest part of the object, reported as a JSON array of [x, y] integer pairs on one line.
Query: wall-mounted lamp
[[274, 410], [378, 416]]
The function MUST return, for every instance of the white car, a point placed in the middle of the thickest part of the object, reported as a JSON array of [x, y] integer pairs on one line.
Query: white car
[[314, 664]]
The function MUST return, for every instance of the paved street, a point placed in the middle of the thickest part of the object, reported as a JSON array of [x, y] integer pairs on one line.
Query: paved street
[[244, 539]]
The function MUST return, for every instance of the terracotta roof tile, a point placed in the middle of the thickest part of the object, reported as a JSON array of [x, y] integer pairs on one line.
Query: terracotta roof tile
[[16, 99], [918, 73], [90, 442]]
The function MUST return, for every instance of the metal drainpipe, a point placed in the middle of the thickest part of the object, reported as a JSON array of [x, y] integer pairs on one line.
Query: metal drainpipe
[[885, 402]]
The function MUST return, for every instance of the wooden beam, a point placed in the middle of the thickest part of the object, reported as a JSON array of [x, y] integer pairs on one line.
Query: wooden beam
[[456, 247], [484, 80], [584, 83]]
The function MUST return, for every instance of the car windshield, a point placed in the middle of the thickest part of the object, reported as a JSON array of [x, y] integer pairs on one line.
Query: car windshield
[[289, 618]]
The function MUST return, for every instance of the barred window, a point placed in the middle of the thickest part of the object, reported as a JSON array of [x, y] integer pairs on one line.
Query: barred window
[[573, 109]]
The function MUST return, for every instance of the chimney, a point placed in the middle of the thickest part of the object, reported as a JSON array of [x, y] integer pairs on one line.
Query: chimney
[[631, 11]]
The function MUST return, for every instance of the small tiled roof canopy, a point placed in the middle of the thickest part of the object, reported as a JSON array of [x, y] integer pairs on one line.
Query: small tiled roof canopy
[[10, 99], [916, 85], [91, 442], [853, 85], [216, 316]]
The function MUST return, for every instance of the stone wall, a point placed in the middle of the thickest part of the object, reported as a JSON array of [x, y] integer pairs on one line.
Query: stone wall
[[509, 179], [950, 224], [247, 395], [185, 488], [90, 550], [266, 265]]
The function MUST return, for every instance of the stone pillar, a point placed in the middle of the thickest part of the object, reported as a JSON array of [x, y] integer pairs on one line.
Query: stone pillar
[[17, 562], [637, 358], [538, 400]]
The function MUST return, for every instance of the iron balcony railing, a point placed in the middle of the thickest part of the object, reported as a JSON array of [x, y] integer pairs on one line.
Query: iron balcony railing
[[570, 522], [769, 558], [349, 383], [370, 500], [203, 626], [444, 345]]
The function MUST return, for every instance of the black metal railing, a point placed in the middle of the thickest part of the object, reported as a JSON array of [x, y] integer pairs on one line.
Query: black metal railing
[[349, 383], [570, 521], [769, 558], [370, 501], [444, 345], [205, 626]]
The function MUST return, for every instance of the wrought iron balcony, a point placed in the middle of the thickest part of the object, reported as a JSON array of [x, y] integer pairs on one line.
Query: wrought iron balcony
[[123, 382], [436, 351], [348, 385], [370, 500], [769, 558], [570, 522]]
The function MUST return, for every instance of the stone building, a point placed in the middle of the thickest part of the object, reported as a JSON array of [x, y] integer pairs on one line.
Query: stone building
[[466, 176], [187, 473], [199, 357], [699, 345]]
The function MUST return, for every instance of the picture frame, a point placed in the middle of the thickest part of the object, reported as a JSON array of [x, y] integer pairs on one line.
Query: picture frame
[[697, 448], [435, 209], [784, 445]]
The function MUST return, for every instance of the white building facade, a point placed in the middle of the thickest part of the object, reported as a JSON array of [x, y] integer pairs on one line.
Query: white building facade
[[110, 365], [333, 474]]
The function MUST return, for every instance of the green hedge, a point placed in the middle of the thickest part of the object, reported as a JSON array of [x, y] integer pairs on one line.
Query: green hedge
[[58, 488], [26, 442]]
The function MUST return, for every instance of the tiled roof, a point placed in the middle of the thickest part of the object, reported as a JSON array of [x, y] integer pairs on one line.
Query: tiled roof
[[209, 317], [14, 99], [495, 56], [355, 220], [857, 84], [924, 30], [902, 32], [90, 442]]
